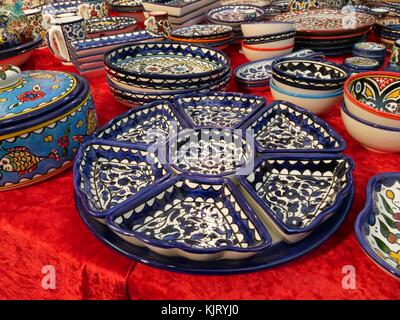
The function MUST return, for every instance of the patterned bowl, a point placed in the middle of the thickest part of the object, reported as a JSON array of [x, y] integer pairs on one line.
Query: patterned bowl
[[378, 225], [375, 97], [309, 73], [284, 127], [18, 55], [253, 53], [266, 28], [235, 15], [294, 194], [168, 220], [271, 41], [218, 110], [163, 64]]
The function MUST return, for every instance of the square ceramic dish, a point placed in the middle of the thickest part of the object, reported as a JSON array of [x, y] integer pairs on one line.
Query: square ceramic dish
[[177, 8], [197, 219], [218, 110], [284, 127], [378, 224], [293, 194], [108, 174], [148, 124]]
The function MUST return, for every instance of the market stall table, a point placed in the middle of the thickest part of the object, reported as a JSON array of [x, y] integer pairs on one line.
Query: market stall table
[[40, 226]]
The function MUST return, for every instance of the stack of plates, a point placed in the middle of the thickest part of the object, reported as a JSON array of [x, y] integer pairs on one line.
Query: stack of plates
[[87, 55], [212, 35], [141, 73], [388, 30], [235, 15], [182, 13], [329, 31]]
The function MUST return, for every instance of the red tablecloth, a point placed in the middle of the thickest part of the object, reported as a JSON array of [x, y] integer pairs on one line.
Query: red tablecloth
[[39, 226]]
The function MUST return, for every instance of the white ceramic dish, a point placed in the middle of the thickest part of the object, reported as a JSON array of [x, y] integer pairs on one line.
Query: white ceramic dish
[[374, 137], [316, 104], [256, 29], [311, 92]]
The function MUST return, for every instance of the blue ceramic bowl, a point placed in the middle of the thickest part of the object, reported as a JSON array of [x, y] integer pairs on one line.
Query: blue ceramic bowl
[[11, 52], [107, 175], [269, 38], [285, 127], [217, 109], [229, 229], [377, 226]]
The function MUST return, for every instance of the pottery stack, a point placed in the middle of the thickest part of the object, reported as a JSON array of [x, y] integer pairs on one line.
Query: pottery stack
[[141, 73], [376, 51], [371, 110], [265, 40], [388, 30]]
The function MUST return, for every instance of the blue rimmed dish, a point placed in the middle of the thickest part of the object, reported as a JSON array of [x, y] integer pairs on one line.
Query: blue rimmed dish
[[234, 15], [377, 227], [217, 109], [149, 124], [198, 219], [284, 127], [293, 194], [98, 27], [20, 54], [107, 174]]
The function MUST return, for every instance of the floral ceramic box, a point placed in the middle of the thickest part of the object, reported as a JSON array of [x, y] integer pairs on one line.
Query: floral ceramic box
[[44, 117]]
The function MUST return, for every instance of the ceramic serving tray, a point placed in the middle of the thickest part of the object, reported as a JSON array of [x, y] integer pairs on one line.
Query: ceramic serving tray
[[378, 224], [97, 27], [176, 8], [276, 254]]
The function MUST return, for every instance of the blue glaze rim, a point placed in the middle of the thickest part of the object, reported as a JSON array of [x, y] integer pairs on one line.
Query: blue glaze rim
[[79, 194], [367, 216], [153, 192], [180, 106], [303, 95], [11, 52], [307, 157], [314, 118]]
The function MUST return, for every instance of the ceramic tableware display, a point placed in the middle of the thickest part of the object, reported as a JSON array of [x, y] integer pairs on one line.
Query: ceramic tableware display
[[371, 112], [394, 61], [141, 73], [44, 117], [330, 31], [203, 213], [157, 22], [378, 225], [87, 55], [100, 27], [313, 84], [182, 13], [255, 76], [61, 33], [235, 15], [372, 50], [212, 35], [93, 9], [361, 64]]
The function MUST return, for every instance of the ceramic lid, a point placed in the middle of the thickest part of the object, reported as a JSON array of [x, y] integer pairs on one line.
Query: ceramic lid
[[361, 63], [370, 47], [29, 94]]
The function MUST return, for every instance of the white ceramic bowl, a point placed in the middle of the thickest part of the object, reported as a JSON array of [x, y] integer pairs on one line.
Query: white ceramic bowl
[[366, 111], [372, 136], [254, 54], [256, 29], [272, 44], [316, 104], [311, 92]]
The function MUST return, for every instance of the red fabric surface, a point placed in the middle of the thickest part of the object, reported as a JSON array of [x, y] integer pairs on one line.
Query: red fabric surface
[[39, 225]]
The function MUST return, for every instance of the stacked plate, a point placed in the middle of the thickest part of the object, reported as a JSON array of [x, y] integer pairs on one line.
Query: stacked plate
[[87, 55], [182, 13], [388, 30], [142, 73], [212, 35], [235, 15], [332, 32]]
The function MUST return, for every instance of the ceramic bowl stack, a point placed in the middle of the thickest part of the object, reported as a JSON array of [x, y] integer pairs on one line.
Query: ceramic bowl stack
[[388, 30], [212, 35], [255, 76], [264, 40], [313, 84], [182, 13], [371, 110], [330, 31], [235, 15], [141, 73], [371, 50], [87, 55]]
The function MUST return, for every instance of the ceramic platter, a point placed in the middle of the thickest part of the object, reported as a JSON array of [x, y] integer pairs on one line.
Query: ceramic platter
[[174, 185], [96, 27]]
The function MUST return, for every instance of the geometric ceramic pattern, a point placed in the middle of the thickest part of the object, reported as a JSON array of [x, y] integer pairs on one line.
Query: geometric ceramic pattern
[[235, 14], [378, 224], [379, 92], [284, 126], [200, 31], [200, 213]]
